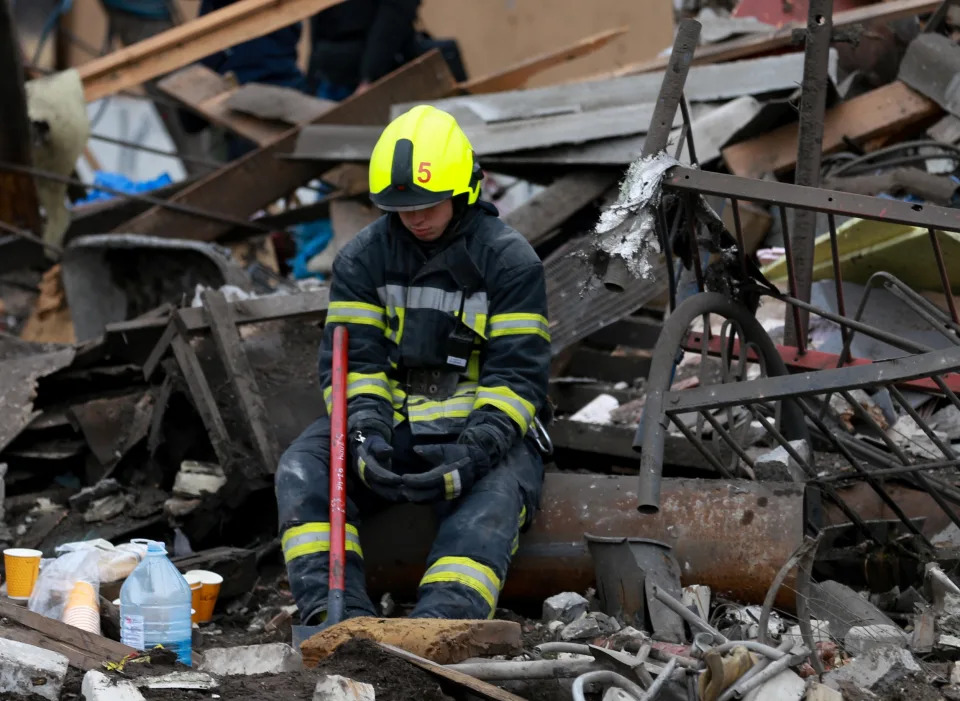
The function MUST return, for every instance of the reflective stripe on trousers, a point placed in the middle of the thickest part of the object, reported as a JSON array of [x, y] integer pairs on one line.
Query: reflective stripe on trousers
[[309, 538], [469, 573]]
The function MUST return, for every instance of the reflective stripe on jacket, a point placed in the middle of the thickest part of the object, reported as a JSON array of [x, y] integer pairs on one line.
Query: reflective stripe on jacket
[[401, 306]]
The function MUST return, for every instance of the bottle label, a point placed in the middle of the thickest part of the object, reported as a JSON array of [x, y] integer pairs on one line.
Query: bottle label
[[131, 631]]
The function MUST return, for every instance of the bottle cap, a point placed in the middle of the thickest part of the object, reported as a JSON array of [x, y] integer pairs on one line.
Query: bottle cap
[[153, 546]]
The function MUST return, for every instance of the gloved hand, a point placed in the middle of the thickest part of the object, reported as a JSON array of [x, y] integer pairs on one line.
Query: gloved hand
[[458, 467], [371, 455]]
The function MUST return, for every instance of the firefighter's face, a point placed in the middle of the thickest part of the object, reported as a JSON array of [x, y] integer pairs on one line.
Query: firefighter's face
[[428, 224]]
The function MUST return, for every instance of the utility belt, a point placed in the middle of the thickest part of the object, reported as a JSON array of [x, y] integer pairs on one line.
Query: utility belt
[[439, 384]]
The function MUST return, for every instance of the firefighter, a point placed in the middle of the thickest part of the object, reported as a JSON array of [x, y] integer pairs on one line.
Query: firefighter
[[449, 355]]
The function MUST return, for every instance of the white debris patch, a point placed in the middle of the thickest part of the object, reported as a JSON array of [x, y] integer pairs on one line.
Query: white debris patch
[[627, 228]]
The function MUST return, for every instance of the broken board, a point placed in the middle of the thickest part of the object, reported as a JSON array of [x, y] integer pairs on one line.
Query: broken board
[[439, 640]]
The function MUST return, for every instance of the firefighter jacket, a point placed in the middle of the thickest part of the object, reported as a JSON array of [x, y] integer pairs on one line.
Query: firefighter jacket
[[471, 314]]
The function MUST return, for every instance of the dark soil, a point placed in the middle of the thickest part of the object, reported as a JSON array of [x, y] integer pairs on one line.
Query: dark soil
[[294, 686], [71, 685], [392, 678]]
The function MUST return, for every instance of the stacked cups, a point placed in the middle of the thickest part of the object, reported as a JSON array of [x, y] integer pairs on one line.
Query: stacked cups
[[82, 609], [204, 595]]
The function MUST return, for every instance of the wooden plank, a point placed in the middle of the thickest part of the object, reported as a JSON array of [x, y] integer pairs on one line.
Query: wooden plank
[[251, 182], [517, 75], [277, 103], [885, 110], [93, 645], [229, 346], [191, 41], [206, 92], [19, 205], [202, 397], [753, 45], [480, 688], [542, 214], [78, 658]]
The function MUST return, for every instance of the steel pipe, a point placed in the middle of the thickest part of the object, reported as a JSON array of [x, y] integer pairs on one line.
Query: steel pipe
[[535, 669], [605, 677]]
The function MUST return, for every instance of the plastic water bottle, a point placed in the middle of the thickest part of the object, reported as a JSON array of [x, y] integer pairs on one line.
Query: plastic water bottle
[[155, 606]]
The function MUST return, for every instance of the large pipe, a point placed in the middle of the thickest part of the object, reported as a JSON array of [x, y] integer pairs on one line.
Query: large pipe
[[732, 536]]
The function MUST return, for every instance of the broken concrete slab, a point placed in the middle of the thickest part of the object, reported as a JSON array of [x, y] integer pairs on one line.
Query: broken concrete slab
[[439, 640], [178, 680], [931, 66], [778, 465], [273, 658], [86, 496], [947, 421], [565, 607], [614, 693], [336, 688], [97, 686], [26, 670], [882, 665], [196, 478], [821, 634], [19, 389], [955, 673], [861, 639], [924, 632], [584, 628]]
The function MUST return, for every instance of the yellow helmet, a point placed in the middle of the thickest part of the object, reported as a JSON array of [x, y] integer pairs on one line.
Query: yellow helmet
[[422, 158]]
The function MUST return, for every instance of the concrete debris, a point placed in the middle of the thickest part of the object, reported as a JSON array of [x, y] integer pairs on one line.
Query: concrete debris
[[614, 693], [272, 658], [945, 592], [336, 688], [86, 496], [955, 673], [779, 466], [97, 686], [861, 639], [565, 607], [843, 608], [598, 411], [106, 508], [583, 628], [948, 537], [924, 632], [26, 670], [178, 680], [947, 422], [908, 434], [875, 668]]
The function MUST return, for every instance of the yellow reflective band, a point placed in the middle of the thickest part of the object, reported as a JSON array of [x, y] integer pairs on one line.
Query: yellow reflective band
[[356, 313], [395, 335], [362, 383], [523, 516], [451, 485], [476, 322], [509, 402], [519, 323], [473, 366], [362, 469], [469, 573], [516, 539], [310, 538]]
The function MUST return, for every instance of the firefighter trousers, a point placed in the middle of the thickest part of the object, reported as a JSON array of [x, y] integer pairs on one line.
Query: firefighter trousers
[[477, 535]]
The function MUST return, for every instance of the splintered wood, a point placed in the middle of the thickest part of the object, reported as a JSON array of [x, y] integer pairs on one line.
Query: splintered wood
[[884, 111], [439, 640]]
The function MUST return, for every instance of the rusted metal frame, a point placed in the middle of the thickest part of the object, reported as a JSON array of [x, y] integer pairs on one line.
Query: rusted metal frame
[[811, 383], [698, 444], [688, 124], [920, 478], [798, 336], [813, 105], [906, 293], [889, 472], [658, 134], [818, 360], [728, 438], [136, 197], [827, 489], [878, 457], [868, 478], [896, 450], [688, 204], [837, 277], [738, 228], [820, 199], [666, 236], [944, 277]]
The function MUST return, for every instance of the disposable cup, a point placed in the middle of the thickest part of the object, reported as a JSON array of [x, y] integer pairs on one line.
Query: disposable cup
[[83, 594], [83, 617], [209, 591], [23, 566], [196, 585]]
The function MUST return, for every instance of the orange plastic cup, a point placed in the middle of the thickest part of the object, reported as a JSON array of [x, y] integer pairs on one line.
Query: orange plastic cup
[[83, 594], [23, 567], [209, 591], [196, 585], [82, 609]]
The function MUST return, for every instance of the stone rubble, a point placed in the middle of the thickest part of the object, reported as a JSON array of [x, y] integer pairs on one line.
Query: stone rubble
[[26, 669]]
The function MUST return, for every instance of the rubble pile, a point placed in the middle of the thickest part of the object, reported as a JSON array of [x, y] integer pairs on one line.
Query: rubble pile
[[751, 251]]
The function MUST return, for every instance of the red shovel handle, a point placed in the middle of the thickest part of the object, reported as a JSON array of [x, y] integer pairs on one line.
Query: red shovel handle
[[338, 476]]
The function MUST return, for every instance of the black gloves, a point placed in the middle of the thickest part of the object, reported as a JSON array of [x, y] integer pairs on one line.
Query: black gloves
[[371, 455], [458, 467]]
